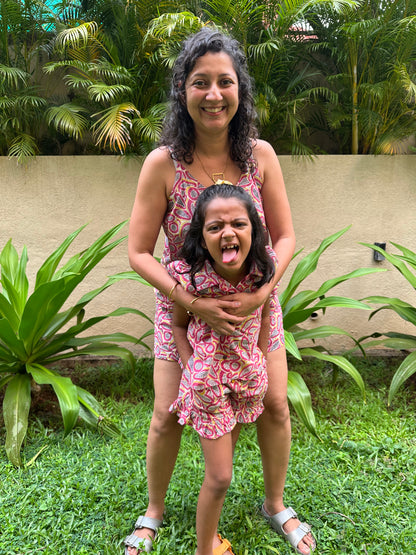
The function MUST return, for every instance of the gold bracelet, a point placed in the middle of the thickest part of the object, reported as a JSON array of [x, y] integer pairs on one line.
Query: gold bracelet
[[172, 290], [189, 312]]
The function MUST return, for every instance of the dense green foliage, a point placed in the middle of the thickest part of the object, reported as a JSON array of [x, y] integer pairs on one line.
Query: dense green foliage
[[332, 76], [405, 263], [297, 308], [38, 329], [356, 486]]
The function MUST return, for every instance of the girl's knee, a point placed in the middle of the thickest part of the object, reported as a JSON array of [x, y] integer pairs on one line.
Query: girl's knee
[[276, 408], [164, 423], [219, 482]]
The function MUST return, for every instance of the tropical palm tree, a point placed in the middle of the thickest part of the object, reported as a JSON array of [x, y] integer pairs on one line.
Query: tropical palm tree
[[23, 36], [368, 57], [117, 91], [270, 36]]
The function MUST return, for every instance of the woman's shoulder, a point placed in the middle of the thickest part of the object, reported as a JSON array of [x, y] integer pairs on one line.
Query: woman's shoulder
[[262, 148], [160, 157], [265, 157], [158, 167]]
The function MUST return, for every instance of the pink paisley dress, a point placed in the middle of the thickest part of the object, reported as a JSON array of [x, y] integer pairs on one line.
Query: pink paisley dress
[[185, 191], [225, 380]]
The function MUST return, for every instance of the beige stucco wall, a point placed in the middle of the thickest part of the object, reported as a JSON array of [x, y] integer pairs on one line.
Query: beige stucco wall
[[42, 202]]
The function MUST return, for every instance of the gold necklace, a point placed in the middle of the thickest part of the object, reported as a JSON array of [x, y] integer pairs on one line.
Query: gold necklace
[[216, 177]]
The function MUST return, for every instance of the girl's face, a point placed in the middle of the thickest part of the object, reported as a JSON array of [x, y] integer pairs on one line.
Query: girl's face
[[227, 237], [212, 92]]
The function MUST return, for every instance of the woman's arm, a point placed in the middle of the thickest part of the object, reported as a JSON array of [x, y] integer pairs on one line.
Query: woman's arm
[[276, 206], [263, 341], [278, 221], [156, 178]]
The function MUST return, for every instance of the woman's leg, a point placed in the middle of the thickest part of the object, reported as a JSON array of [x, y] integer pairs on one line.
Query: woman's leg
[[218, 455], [274, 438], [163, 441]]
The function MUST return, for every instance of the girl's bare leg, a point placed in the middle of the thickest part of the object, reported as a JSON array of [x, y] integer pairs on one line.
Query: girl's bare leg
[[218, 454], [274, 438], [163, 441]]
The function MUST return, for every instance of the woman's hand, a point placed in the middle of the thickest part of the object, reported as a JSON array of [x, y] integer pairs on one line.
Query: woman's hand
[[219, 313], [247, 302]]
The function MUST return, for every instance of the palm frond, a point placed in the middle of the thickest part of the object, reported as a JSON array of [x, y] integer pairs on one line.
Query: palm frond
[[68, 119], [101, 92], [22, 147], [113, 127], [13, 76]]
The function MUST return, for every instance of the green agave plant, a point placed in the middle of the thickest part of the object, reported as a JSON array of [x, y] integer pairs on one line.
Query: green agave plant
[[406, 265], [36, 332], [297, 308]]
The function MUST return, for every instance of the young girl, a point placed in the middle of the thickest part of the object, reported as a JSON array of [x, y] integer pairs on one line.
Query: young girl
[[224, 377]]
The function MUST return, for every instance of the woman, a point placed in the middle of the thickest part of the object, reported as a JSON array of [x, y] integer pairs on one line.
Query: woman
[[209, 135]]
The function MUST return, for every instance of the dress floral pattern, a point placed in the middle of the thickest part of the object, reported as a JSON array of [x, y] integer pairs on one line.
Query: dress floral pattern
[[185, 192], [225, 380]]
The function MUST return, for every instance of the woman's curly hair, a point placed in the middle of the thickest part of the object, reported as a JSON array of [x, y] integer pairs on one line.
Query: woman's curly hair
[[179, 132]]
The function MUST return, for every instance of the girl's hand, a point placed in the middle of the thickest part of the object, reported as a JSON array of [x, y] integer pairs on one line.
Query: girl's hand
[[218, 313]]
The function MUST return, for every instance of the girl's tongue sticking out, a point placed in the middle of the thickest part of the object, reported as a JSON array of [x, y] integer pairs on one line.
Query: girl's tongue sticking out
[[229, 254]]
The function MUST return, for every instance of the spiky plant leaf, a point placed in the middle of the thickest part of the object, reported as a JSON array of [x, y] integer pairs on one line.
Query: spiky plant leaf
[[16, 406]]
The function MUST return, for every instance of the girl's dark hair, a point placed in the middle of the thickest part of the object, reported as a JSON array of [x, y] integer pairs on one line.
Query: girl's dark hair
[[178, 132], [195, 254]]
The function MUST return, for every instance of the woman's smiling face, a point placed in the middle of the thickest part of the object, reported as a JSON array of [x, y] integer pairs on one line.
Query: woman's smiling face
[[227, 237], [212, 92]]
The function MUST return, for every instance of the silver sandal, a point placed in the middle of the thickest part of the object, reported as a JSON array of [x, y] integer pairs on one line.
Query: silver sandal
[[142, 544], [294, 537]]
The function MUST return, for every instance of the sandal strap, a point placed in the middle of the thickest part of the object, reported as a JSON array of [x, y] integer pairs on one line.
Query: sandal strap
[[148, 522], [296, 536], [285, 515], [278, 520], [225, 547], [143, 544]]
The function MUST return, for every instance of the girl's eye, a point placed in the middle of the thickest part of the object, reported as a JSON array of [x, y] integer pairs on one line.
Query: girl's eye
[[199, 83], [213, 227]]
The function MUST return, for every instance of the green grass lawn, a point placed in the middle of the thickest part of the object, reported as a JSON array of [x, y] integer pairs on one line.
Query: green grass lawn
[[356, 486]]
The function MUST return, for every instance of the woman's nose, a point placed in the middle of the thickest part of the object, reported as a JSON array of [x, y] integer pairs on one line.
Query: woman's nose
[[214, 92]]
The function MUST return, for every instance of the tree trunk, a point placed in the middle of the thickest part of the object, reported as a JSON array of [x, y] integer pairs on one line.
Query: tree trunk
[[354, 137]]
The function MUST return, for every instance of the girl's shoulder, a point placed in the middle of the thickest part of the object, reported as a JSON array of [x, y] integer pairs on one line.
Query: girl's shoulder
[[180, 271]]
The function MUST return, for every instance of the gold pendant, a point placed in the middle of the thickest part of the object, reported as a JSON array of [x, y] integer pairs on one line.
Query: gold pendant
[[217, 177], [222, 182]]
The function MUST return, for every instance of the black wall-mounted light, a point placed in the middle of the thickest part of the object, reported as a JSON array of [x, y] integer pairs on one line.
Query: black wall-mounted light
[[377, 256]]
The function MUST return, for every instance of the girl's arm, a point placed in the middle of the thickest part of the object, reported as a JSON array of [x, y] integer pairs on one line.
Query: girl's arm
[[180, 333], [264, 333], [146, 220], [278, 221]]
